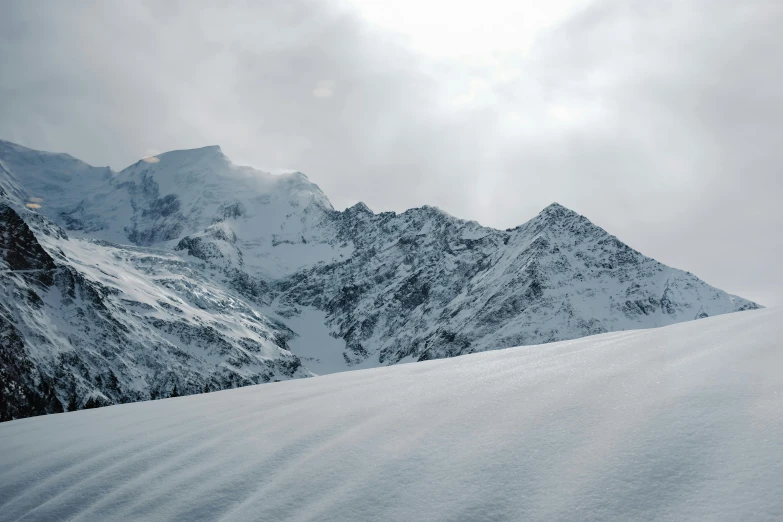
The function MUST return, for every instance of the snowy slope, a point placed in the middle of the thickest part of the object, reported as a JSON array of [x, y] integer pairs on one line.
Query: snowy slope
[[120, 324], [678, 423], [59, 182], [207, 273]]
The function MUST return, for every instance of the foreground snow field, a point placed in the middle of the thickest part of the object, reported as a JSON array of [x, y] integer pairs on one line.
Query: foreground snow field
[[683, 422]]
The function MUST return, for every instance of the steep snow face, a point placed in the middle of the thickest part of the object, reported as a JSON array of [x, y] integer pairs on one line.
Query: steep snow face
[[119, 324], [244, 256], [677, 423], [184, 192], [57, 182]]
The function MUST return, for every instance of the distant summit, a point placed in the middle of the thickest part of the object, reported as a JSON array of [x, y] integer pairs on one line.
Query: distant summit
[[360, 207]]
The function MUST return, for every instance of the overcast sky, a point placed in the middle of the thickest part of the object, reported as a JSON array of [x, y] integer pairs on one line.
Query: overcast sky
[[661, 121]]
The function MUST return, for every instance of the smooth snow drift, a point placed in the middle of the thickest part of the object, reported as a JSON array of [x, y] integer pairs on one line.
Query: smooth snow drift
[[678, 423]]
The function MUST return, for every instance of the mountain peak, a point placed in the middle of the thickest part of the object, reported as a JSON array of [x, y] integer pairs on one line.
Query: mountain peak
[[206, 150], [554, 213], [557, 219], [557, 214], [184, 156], [557, 210], [360, 207]]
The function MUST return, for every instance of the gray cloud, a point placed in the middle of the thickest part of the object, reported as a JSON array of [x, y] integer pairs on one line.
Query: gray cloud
[[658, 120]]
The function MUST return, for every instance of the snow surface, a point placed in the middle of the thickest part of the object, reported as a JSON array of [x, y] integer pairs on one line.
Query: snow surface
[[319, 352], [677, 423]]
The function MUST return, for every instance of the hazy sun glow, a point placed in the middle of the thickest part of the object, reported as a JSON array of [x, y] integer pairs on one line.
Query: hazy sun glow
[[324, 89], [444, 28], [560, 112]]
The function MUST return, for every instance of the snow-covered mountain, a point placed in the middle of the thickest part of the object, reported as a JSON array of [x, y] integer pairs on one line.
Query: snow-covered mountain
[[187, 270], [94, 321], [681, 423]]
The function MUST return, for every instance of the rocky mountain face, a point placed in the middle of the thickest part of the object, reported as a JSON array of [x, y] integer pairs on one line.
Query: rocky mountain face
[[424, 285], [110, 324], [187, 271]]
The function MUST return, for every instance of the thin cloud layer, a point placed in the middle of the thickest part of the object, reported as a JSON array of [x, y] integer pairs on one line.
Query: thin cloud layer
[[658, 120]]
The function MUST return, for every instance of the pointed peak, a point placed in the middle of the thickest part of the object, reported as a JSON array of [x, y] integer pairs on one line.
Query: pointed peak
[[360, 207], [557, 215], [556, 209]]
